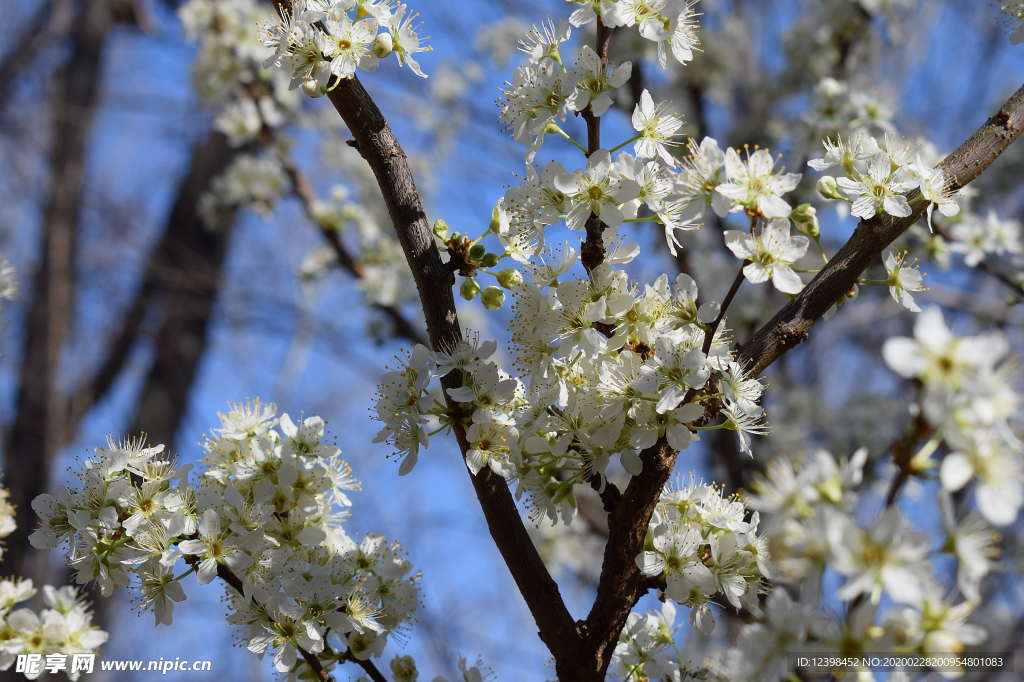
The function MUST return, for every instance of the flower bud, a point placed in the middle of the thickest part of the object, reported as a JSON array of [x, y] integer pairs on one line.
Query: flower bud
[[510, 278], [805, 218], [490, 260], [312, 88], [403, 668], [441, 228], [499, 220], [469, 288], [383, 45], [829, 188], [708, 312], [477, 251], [493, 298]]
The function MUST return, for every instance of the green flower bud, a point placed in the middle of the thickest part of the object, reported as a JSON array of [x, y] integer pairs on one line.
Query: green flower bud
[[477, 251], [469, 288], [805, 218], [493, 298], [829, 188], [510, 278], [490, 260], [440, 228]]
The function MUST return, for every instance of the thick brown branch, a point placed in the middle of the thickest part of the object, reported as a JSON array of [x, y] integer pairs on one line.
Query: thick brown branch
[[378, 145], [592, 248], [621, 583], [792, 324]]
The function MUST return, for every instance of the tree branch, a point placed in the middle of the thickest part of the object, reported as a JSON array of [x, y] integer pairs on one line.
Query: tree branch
[[49, 24], [792, 324], [621, 583], [988, 268], [378, 145], [303, 188], [592, 248]]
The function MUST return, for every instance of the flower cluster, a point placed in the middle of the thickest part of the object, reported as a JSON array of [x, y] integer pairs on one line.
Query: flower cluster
[[646, 648], [251, 181], [320, 42], [797, 494], [978, 237], [763, 650], [809, 505], [265, 516], [544, 90], [255, 107], [606, 368], [249, 99], [622, 187], [702, 543], [382, 278], [837, 107], [229, 64], [671, 24], [878, 176], [969, 400], [64, 627]]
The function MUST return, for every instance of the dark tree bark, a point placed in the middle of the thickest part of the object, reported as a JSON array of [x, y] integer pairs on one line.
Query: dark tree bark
[[50, 22], [181, 286], [39, 424]]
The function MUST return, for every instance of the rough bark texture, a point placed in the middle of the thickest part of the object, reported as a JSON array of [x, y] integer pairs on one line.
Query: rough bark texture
[[621, 583], [592, 249], [378, 145], [792, 324]]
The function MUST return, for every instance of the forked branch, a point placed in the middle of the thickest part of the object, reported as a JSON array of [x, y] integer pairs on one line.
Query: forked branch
[[583, 651]]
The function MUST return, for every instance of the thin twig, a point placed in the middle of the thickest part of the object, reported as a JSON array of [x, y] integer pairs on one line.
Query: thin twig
[[987, 267]]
